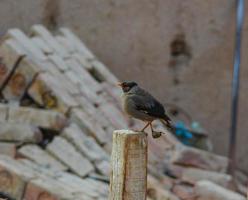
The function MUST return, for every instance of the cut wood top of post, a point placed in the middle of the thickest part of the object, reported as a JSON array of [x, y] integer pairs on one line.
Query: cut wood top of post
[[129, 132]]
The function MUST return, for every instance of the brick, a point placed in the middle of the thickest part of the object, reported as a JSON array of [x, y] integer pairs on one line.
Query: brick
[[112, 91], [10, 51], [19, 132], [78, 44], [14, 166], [89, 126], [42, 118], [114, 115], [104, 72], [99, 187], [64, 82], [41, 31], [104, 167], [84, 88], [192, 175], [34, 192], [11, 183], [3, 112], [41, 170], [80, 185], [184, 191], [40, 43], [47, 188], [67, 44], [49, 180], [63, 150], [206, 190], [26, 43], [189, 156], [83, 74], [13, 177], [20, 79], [73, 183], [48, 92], [41, 157], [155, 190], [96, 113], [99, 177], [83, 60], [85, 144], [58, 62], [8, 149]]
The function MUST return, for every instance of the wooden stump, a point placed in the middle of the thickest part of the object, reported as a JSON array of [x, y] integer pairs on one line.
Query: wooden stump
[[129, 166]]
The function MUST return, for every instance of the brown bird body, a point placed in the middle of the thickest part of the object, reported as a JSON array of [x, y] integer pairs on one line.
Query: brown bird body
[[141, 105]]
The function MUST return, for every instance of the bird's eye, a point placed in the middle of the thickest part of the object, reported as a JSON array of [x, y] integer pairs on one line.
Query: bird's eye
[[126, 88]]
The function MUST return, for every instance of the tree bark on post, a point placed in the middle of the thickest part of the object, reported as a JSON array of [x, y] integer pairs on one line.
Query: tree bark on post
[[128, 179]]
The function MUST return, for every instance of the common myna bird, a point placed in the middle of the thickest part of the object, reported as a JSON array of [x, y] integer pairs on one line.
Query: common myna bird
[[141, 105]]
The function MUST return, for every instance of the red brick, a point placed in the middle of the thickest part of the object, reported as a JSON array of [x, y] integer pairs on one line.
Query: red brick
[[36, 193]]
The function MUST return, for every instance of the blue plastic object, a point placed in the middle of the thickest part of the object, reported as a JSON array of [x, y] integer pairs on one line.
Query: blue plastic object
[[182, 132]]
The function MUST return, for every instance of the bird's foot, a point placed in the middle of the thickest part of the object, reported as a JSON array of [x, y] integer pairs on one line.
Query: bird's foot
[[156, 134]]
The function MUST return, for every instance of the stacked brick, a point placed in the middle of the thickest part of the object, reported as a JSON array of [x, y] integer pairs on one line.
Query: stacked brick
[[59, 107]]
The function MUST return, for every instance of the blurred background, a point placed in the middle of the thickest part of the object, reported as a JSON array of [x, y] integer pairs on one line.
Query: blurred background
[[181, 51]]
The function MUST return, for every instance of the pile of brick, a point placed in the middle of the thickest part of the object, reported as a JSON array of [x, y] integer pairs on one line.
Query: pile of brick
[[59, 107]]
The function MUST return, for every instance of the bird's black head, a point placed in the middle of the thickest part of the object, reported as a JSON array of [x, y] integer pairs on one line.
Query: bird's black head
[[127, 85]]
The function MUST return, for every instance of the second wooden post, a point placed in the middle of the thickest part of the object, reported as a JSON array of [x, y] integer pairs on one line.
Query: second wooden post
[[128, 180]]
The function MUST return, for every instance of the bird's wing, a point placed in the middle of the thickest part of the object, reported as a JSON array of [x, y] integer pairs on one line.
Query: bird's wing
[[149, 105]]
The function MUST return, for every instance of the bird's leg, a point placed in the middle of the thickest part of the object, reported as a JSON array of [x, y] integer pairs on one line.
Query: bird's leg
[[145, 127], [151, 126]]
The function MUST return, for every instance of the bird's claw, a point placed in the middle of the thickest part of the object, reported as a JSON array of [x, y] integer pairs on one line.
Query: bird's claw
[[156, 134]]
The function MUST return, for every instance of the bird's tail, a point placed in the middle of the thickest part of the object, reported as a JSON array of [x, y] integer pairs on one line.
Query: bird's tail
[[166, 121]]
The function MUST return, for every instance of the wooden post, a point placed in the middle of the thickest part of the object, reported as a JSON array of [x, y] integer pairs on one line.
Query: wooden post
[[128, 180]]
